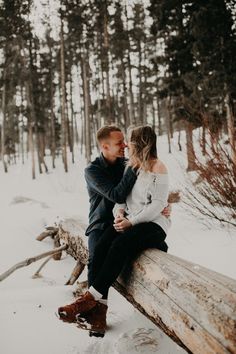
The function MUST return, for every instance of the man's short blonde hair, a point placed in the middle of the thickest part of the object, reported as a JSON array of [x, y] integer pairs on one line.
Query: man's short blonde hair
[[104, 132]]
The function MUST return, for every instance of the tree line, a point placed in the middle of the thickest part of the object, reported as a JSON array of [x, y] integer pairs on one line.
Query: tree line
[[169, 63]]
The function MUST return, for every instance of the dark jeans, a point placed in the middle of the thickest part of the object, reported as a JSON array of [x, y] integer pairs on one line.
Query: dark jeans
[[93, 238], [114, 249]]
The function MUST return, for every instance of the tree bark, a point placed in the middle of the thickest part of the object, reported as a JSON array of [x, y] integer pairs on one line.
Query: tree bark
[[130, 86], [52, 116], [179, 137], [191, 158], [72, 120], [125, 103], [231, 128], [159, 118], [168, 116], [3, 122], [63, 100], [107, 68], [203, 140], [86, 93]]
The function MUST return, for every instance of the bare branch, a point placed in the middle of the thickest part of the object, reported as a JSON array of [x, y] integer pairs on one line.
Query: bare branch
[[28, 261], [37, 273]]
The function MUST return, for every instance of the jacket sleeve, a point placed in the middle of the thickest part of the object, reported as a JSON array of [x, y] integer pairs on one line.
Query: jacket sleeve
[[158, 201], [99, 182]]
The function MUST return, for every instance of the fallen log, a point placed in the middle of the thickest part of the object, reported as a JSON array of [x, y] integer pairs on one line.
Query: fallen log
[[193, 305]]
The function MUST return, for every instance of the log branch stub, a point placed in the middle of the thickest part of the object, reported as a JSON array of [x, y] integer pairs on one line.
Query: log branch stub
[[50, 232], [57, 243], [78, 269]]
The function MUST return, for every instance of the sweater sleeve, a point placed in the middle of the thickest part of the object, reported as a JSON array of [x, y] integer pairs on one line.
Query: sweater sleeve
[[101, 184], [157, 201], [118, 206]]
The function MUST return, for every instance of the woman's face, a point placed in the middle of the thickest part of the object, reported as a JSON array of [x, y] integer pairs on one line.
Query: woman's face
[[130, 146]]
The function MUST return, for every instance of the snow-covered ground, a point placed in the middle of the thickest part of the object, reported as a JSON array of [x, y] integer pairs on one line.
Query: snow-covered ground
[[27, 322]]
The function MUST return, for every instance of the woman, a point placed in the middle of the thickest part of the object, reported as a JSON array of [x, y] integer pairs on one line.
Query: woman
[[138, 225]]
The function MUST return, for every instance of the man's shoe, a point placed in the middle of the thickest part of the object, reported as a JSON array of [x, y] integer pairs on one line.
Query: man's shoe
[[83, 304], [94, 320]]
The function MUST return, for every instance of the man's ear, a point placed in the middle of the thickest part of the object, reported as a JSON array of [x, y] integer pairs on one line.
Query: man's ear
[[104, 145]]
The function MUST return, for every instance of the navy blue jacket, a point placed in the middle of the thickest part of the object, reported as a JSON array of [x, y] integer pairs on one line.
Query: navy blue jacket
[[107, 184]]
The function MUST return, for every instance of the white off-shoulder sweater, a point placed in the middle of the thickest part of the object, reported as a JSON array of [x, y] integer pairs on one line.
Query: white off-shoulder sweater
[[147, 199]]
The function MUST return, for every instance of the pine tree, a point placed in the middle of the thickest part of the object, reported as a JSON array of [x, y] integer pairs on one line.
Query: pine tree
[[214, 49], [171, 23]]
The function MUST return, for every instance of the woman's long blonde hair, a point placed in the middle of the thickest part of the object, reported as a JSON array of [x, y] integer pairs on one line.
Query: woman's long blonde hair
[[144, 150]]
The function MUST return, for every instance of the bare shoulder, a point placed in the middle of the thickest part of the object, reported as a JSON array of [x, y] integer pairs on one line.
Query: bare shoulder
[[159, 167]]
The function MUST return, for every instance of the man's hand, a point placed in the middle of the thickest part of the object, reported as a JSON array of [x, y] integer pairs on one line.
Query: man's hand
[[167, 211], [121, 224]]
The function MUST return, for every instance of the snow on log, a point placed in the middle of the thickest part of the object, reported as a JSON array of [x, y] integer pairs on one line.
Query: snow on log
[[195, 306]]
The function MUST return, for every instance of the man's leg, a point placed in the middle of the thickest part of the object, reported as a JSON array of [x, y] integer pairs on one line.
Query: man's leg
[[93, 239], [99, 244], [100, 252], [129, 243], [69, 312]]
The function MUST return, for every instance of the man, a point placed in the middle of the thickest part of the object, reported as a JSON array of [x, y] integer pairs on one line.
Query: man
[[108, 182]]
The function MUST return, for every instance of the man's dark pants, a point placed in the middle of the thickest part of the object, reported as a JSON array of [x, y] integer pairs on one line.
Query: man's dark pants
[[93, 238], [111, 250]]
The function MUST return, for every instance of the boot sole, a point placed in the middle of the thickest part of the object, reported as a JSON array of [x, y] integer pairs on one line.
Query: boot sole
[[80, 324], [93, 332]]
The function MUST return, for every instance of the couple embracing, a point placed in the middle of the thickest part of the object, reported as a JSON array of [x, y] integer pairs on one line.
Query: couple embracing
[[128, 214]]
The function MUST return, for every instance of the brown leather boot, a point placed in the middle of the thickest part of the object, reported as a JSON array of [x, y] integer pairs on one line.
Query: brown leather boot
[[83, 304], [94, 320]]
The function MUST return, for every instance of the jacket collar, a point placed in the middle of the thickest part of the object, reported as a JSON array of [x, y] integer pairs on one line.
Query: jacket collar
[[104, 162]]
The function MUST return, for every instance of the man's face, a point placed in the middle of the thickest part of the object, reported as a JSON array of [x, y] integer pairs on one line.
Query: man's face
[[114, 146]]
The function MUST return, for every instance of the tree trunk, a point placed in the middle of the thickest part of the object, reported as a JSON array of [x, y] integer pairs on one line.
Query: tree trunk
[[144, 87], [203, 140], [131, 95], [231, 128], [153, 115], [130, 87], [38, 149], [191, 158], [63, 103], [84, 68], [41, 150], [72, 120], [3, 122], [179, 137], [168, 119], [31, 146], [21, 128], [159, 118], [31, 121], [125, 103], [140, 91], [193, 305], [98, 86], [52, 116], [106, 60]]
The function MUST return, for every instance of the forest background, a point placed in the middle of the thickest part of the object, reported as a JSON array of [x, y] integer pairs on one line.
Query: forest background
[[69, 67]]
